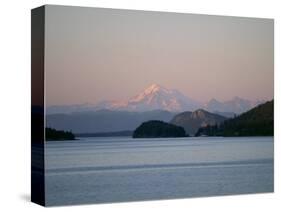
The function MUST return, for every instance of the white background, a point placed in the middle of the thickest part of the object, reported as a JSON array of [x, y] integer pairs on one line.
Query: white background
[[15, 104]]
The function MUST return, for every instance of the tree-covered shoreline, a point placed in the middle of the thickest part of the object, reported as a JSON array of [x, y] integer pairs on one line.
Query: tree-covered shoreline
[[58, 135]]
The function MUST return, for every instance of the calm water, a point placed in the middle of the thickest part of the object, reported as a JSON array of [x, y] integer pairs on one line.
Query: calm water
[[98, 170]]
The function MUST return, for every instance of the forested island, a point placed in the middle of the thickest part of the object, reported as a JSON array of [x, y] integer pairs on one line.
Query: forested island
[[58, 135], [256, 122], [158, 129]]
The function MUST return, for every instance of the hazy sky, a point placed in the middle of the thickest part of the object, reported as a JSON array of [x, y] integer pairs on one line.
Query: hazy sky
[[104, 54]]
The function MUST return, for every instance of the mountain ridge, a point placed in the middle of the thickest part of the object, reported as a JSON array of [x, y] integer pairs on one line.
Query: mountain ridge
[[157, 97], [104, 120], [192, 121]]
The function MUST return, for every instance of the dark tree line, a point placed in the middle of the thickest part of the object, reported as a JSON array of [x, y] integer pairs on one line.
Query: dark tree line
[[158, 129], [52, 134]]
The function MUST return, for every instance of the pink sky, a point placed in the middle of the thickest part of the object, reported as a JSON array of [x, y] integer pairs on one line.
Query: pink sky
[[103, 54]]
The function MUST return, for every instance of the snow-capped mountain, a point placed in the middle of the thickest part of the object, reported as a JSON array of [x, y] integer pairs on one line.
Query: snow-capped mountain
[[155, 97]]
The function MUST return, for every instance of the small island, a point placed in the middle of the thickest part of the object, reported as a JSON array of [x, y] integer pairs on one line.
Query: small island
[[158, 129], [58, 135]]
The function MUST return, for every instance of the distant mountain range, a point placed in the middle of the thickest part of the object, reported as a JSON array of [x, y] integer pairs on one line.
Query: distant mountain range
[[104, 121], [153, 103], [192, 121], [157, 97], [236, 105]]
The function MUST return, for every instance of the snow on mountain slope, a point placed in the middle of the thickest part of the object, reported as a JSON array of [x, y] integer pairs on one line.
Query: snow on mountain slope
[[235, 105], [155, 97]]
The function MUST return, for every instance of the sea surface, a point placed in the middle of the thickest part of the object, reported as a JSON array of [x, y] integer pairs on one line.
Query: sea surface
[[118, 169]]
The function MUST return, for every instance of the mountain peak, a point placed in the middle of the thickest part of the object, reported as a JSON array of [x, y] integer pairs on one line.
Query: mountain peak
[[154, 85], [237, 98], [154, 88], [200, 113], [213, 100], [156, 97], [192, 121], [200, 110]]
